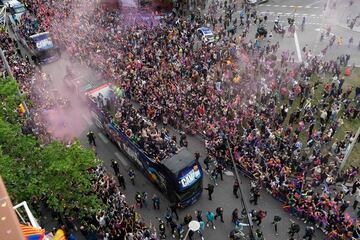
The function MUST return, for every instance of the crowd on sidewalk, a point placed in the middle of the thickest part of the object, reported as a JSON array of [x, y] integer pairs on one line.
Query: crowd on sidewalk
[[232, 89]]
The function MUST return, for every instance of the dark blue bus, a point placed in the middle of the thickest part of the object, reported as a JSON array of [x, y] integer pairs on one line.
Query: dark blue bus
[[178, 176]]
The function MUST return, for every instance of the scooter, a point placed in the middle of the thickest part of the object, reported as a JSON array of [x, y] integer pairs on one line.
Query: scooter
[[278, 28]]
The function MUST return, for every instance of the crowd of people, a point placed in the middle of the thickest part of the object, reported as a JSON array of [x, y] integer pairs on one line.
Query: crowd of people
[[231, 90], [157, 144], [28, 26]]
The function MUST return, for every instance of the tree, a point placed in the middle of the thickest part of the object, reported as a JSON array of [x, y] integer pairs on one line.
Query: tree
[[68, 185], [10, 100], [56, 174]]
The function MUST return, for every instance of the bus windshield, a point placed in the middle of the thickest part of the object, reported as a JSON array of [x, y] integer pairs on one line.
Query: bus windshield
[[188, 193], [45, 54]]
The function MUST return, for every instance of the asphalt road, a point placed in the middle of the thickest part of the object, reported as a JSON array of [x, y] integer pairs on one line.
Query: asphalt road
[[318, 18], [223, 191]]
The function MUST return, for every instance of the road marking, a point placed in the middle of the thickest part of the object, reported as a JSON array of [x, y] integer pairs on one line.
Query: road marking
[[291, 6], [122, 160], [89, 122], [313, 4], [103, 138], [229, 173], [297, 47], [295, 14]]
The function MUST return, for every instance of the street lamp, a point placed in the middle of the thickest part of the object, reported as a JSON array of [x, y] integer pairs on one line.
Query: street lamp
[[193, 226]]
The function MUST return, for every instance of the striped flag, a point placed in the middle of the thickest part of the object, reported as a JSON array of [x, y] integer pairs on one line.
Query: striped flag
[[32, 233]]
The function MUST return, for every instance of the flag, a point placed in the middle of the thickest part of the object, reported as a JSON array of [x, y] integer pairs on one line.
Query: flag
[[32, 233]]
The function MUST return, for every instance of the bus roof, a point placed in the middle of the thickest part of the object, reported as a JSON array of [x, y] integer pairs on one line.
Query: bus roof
[[179, 161]]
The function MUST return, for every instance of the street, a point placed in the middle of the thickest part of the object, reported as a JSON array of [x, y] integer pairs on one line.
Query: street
[[318, 19], [222, 196]]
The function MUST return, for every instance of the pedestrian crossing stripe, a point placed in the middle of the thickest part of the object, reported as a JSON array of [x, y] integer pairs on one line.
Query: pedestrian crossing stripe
[[295, 14], [310, 23], [287, 6]]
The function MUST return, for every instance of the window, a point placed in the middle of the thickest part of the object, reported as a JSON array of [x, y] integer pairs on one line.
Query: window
[[188, 193]]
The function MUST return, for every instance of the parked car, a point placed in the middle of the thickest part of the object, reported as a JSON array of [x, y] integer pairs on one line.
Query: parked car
[[253, 2], [206, 35], [15, 9]]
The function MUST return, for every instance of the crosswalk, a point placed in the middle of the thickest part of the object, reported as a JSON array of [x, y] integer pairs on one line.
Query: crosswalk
[[288, 6], [268, 13], [299, 22]]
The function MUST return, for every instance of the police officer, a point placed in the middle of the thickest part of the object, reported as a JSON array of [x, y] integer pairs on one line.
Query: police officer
[[138, 199], [309, 233], [219, 213], [220, 170], [91, 138], [236, 187], [132, 176], [210, 189], [294, 229], [115, 166], [173, 208], [162, 230], [121, 180]]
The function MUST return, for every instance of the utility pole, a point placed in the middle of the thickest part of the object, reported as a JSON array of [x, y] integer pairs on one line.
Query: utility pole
[[251, 233], [10, 73], [6, 63], [348, 151]]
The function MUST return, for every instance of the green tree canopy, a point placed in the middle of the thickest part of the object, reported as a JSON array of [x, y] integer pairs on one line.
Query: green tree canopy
[[54, 173]]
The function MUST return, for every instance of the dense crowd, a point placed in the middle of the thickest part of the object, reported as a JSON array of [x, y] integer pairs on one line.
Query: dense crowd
[[232, 89], [28, 26], [119, 220], [157, 144]]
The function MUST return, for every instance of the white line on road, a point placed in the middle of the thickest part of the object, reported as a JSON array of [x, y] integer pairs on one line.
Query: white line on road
[[103, 138], [309, 5], [297, 47], [290, 6], [89, 122], [122, 160]]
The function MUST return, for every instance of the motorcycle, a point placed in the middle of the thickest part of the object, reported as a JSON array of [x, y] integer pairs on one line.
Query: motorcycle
[[278, 28]]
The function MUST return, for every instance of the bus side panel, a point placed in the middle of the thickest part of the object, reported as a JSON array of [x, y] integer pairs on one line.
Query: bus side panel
[[155, 172]]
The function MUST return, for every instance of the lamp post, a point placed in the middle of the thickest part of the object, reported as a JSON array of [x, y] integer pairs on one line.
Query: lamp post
[[348, 152], [193, 226], [251, 233]]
